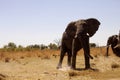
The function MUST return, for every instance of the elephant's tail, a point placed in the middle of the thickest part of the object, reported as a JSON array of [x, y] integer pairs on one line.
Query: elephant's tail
[[89, 56]]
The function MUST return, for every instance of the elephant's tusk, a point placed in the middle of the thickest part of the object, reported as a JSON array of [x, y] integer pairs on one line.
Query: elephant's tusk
[[117, 46], [87, 34]]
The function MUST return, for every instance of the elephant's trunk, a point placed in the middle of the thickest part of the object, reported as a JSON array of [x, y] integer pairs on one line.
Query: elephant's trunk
[[74, 48]]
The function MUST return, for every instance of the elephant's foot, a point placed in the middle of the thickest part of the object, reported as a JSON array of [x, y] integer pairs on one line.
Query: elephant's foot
[[69, 64], [73, 67], [59, 66], [91, 69], [107, 56], [88, 68]]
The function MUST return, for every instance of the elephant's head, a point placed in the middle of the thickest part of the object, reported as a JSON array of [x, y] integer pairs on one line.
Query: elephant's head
[[87, 27], [84, 27]]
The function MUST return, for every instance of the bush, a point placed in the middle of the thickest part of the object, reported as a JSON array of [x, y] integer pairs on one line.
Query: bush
[[52, 46], [92, 45], [10, 47]]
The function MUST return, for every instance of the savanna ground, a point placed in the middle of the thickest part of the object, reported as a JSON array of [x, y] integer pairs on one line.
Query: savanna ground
[[41, 65]]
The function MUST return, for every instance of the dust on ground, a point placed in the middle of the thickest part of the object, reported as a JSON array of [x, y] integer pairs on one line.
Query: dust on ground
[[36, 68]]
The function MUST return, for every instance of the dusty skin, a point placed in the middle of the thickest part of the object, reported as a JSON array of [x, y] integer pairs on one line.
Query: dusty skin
[[39, 67]]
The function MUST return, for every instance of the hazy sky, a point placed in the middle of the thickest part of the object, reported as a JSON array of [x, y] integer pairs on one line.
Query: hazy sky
[[28, 22]]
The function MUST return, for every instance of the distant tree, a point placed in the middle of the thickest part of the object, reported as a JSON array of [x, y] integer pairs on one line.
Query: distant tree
[[5, 47], [52, 46], [92, 45], [11, 46], [32, 47], [36, 46], [42, 46], [20, 48], [57, 42], [29, 47]]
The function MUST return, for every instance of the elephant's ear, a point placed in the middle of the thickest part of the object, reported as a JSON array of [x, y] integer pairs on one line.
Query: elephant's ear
[[92, 21], [71, 29], [93, 25], [110, 40]]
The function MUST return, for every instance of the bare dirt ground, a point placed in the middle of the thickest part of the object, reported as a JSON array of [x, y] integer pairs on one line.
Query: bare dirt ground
[[37, 68]]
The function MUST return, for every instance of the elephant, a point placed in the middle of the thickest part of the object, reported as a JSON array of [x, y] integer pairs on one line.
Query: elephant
[[75, 37], [114, 41]]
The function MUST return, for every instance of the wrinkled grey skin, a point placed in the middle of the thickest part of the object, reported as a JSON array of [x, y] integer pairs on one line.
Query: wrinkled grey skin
[[114, 42], [75, 37]]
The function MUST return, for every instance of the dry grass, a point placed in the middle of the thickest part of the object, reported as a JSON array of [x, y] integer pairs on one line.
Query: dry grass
[[104, 64], [12, 55], [97, 51], [42, 64], [48, 53]]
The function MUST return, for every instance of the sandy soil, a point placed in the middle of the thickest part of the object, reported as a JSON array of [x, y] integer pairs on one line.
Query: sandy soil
[[35, 68]]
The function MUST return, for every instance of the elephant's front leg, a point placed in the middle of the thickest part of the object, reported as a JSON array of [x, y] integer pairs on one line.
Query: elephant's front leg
[[86, 48], [73, 66], [62, 54], [69, 58]]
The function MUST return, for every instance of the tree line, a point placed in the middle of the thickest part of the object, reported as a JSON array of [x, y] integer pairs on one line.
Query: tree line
[[53, 46], [13, 47]]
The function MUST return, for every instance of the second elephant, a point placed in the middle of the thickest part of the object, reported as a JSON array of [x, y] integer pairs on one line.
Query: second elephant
[[114, 42]]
